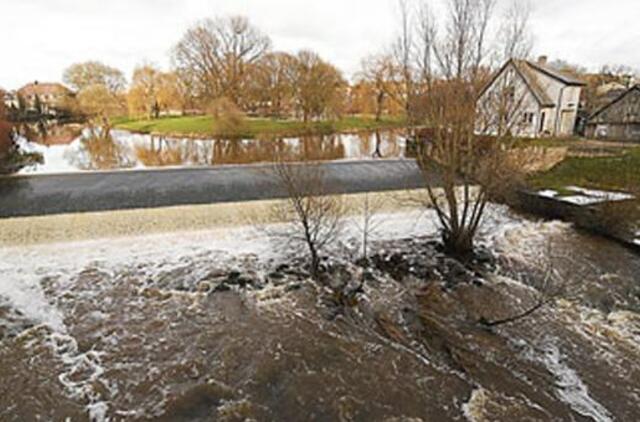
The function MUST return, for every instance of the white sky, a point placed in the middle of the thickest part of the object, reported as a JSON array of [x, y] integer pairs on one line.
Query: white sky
[[40, 38]]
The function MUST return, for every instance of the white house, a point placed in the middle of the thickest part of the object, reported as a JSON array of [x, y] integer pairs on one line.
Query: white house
[[530, 99]]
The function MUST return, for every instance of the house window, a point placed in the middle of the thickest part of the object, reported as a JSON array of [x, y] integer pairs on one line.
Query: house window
[[527, 118]]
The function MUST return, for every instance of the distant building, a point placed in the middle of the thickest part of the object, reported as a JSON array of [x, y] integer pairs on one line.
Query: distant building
[[546, 99], [51, 96], [619, 119], [9, 98], [607, 88]]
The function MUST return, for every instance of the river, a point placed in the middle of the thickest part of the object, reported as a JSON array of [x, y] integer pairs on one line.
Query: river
[[66, 149], [133, 329]]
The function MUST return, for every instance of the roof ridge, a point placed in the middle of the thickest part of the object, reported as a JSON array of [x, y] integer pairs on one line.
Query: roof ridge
[[557, 74], [615, 100]]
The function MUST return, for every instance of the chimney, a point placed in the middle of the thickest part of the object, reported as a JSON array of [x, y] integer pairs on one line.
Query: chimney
[[542, 60]]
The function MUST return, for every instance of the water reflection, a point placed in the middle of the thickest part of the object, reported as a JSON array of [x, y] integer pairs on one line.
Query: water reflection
[[101, 154], [67, 151], [50, 132]]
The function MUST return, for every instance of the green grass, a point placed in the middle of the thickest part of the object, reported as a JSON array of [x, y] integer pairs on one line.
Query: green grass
[[254, 128], [621, 172]]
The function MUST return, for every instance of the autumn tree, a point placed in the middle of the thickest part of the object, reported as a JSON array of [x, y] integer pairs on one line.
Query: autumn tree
[[83, 75], [218, 53], [185, 89], [153, 91], [170, 92], [142, 98], [377, 79], [271, 85], [228, 119], [319, 87], [98, 102]]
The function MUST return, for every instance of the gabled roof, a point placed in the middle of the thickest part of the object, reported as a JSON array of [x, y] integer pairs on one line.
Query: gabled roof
[[528, 71], [615, 101], [530, 79], [563, 77], [40, 88]]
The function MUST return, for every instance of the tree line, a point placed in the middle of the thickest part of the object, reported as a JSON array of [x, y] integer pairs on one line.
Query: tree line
[[222, 59]]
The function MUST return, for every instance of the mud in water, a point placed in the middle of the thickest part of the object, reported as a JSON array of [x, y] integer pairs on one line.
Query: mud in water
[[200, 326]]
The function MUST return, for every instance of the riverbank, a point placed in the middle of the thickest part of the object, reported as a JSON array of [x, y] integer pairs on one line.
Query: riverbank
[[252, 128], [619, 170], [598, 193]]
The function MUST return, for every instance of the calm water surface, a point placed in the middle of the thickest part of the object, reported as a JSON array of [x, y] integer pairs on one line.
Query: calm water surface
[[66, 149]]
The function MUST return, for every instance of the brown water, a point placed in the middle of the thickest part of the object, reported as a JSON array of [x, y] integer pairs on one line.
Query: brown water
[[129, 329], [64, 149]]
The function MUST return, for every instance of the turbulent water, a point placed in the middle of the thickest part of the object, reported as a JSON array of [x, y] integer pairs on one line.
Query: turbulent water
[[221, 325]]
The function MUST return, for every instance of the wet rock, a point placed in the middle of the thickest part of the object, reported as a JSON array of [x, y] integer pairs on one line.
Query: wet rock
[[198, 402], [368, 276], [330, 307], [292, 287], [12, 321], [249, 280], [483, 256], [282, 268], [276, 276]]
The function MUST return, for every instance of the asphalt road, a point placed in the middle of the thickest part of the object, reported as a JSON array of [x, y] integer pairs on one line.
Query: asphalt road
[[22, 196]]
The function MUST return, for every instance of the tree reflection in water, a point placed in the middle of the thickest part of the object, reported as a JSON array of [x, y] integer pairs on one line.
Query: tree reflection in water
[[99, 151], [91, 150]]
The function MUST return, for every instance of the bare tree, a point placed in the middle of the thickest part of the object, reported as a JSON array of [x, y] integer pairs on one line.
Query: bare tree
[[314, 220], [515, 38], [217, 52], [376, 70], [271, 85], [456, 155], [461, 51], [368, 222], [426, 38], [402, 54]]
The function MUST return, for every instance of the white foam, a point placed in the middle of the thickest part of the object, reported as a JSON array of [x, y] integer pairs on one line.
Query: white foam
[[606, 195], [570, 387], [548, 193]]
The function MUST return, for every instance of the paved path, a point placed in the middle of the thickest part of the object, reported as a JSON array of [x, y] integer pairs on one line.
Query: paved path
[[102, 191]]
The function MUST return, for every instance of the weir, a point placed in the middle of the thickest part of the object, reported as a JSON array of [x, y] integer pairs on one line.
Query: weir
[[23, 196]]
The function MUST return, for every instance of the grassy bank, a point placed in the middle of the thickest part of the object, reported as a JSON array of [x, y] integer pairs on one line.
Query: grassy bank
[[621, 172], [199, 126]]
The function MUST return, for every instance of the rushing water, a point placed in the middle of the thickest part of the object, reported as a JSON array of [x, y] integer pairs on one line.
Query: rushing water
[[66, 149], [130, 329]]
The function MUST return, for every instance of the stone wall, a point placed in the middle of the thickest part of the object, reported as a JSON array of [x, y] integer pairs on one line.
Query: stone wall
[[536, 159]]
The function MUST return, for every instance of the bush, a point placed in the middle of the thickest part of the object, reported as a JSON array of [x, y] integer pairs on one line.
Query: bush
[[228, 119]]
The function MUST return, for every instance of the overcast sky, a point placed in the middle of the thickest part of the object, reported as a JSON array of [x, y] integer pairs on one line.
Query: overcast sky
[[40, 38]]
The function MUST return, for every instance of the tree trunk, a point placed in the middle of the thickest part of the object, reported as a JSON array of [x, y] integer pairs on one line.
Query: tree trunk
[[458, 243]]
